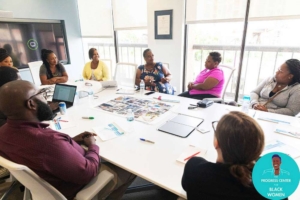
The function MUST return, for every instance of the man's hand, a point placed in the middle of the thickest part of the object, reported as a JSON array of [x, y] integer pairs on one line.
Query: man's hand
[[80, 138], [89, 140]]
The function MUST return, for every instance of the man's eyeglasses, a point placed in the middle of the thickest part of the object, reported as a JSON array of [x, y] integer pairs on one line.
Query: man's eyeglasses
[[214, 125], [43, 91]]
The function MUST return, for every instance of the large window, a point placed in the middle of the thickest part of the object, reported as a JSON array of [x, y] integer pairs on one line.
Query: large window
[[131, 44], [272, 37], [214, 26]]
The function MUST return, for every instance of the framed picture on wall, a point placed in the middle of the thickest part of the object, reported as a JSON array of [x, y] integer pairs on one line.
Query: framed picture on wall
[[163, 22]]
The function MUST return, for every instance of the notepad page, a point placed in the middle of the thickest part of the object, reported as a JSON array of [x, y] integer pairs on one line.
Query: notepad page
[[189, 151]]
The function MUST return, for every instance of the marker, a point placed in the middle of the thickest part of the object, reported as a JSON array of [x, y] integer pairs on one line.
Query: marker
[[87, 117], [192, 156], [144, 140]]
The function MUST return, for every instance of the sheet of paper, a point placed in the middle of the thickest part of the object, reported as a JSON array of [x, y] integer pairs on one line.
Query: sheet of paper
[[278, 146], [62, 122], [163, 25], [189, 152], [108, 132]]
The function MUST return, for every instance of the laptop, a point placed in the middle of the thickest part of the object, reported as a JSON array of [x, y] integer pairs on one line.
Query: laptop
[[109, 84], [64, 93]]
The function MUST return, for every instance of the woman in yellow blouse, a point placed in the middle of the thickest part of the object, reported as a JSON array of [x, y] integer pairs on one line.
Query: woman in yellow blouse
[[96, 69]]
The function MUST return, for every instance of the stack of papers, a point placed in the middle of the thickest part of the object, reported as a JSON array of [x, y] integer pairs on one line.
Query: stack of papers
[[190, 152], [110, 131], [288, 130], [278, 146]]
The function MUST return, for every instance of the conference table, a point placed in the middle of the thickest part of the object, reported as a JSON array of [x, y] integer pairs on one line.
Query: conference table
[[157, 162]]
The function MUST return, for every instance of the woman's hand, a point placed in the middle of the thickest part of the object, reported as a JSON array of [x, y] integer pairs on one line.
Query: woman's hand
[[260, 107], [190, 85], [163, 80]]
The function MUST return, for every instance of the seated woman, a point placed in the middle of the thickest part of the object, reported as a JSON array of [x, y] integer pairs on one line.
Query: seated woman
[[51, 71], [96, 69], [239, 141], [279, 94], [209, 83], [5, 59], [154, 74]]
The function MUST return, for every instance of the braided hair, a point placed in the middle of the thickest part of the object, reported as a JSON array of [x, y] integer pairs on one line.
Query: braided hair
[[294, 68], [45, 53]]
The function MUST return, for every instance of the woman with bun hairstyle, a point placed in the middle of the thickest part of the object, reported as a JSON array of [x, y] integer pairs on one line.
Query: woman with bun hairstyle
[[51, 71], [239, 141]]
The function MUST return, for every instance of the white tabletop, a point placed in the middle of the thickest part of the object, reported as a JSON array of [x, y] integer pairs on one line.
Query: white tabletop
[[157, 162]]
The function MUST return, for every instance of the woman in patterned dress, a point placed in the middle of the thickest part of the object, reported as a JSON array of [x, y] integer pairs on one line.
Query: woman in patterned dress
[[154, 74]]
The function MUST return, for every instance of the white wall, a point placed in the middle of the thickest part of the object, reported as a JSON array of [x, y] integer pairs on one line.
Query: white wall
[[169, 51], [54, 9]]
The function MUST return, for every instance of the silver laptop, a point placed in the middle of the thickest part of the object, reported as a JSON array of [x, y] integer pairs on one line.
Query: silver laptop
[[109, 84]]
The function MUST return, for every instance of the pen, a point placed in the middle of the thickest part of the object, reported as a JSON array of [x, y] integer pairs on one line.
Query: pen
[[192, 156], [87, 117], [142, 139], [63, 120]]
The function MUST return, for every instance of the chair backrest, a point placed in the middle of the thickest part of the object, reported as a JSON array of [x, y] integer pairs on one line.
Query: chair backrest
[[108, 63], [125, 74], [35, 71], [228, 72], [39, 188]]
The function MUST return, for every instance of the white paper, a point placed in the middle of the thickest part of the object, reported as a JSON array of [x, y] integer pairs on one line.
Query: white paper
[[278, 146], [108, 132], [190, 151], [163, 25], [287, 130]]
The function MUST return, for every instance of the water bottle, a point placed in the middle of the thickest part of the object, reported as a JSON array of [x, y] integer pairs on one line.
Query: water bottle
[[142, 87], [130, 120], [246, 104], [91, 96]]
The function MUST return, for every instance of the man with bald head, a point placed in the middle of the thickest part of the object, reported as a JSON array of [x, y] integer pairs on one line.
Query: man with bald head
[[54, 156]]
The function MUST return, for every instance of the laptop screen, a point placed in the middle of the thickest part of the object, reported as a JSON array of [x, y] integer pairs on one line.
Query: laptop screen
[[65, 93]]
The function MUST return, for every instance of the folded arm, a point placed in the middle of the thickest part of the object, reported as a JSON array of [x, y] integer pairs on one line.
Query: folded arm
[[208, 84]]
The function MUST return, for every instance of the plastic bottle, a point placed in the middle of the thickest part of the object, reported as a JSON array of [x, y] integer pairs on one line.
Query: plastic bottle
[[142, 87], [91, 96], [130, 120], [246, 104]]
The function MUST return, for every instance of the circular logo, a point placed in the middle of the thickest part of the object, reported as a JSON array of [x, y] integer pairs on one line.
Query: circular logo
[[32, 44], [276, 175]]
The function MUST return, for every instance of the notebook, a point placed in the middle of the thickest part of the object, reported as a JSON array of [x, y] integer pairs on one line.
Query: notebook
[[181, 125], [109, 84], [64, 93]]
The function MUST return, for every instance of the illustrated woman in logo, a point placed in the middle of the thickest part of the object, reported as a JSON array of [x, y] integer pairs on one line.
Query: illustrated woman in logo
[[276, 162]]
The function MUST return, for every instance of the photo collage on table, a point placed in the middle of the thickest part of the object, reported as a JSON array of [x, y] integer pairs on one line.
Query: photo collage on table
[[142, 108]]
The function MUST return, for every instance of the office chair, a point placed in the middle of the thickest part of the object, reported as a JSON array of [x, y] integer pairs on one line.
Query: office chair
[[40, 189], [35, 71], [228, 72], [125, 74]]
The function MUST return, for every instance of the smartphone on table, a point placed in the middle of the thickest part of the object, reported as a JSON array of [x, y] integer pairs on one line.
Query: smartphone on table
[[148, 93]]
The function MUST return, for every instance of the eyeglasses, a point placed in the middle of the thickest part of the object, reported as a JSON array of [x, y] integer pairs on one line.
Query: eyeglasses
[[43, 91], [214, 125]]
